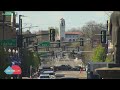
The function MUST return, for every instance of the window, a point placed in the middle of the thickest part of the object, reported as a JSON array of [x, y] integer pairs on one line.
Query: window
[[73, 39], [70, 40]]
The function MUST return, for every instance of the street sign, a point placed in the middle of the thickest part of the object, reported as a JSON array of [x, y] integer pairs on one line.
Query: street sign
[[8, 13], [44, 44], [8, 42], [43, 54]]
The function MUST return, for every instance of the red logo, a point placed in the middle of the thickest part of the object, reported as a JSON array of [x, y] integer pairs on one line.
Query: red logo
[[17, 69]]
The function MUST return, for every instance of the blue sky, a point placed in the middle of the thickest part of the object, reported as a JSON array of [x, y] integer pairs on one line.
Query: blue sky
[[73, 19]]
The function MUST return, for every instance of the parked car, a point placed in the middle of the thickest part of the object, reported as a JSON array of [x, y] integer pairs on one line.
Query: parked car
[[49, 72]]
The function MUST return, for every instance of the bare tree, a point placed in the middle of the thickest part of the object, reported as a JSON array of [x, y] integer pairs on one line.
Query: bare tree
[[74, 30], [90, 30]]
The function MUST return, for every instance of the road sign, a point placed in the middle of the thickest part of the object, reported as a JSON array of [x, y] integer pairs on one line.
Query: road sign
[[8, 13], [8, 42], [43, 54], [44, 44], [9, 70]]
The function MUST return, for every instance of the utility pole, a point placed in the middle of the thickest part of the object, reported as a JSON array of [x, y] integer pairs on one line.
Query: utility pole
[[20, 37]]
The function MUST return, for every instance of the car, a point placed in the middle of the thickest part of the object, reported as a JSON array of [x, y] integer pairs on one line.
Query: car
[[44, 76], [49, 72]]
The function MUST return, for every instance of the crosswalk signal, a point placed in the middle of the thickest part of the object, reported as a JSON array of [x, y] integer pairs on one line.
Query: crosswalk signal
[[19, 41], [81, 42], [103, 36], [52, 35]]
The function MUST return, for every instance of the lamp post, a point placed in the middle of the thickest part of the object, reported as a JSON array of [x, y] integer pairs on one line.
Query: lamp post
[[20, 33], [12, 54]]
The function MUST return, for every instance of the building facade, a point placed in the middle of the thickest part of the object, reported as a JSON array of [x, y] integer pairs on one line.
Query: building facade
[[41, 37], [9, 26], [72, 36]]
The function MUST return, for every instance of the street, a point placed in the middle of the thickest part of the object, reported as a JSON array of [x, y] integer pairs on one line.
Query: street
[[74, 74]]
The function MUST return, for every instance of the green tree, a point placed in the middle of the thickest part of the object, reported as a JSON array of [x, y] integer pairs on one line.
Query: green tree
[[109, 58], [99, 54], [29, 58]]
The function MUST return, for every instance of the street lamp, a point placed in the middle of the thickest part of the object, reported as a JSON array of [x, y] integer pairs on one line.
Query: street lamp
[[16, 51], [9, 50], [13, 51]]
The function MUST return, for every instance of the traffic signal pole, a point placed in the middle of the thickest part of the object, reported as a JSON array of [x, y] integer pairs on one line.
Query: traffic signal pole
[[3, 23], [20, 34]]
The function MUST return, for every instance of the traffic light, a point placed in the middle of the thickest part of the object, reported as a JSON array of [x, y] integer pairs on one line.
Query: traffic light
[[52, 35], [107, 25], [81, 42], [19, 41], [58, 43], [103, 36]]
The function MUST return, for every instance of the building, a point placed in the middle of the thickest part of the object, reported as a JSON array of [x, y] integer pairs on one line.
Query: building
[[73, 36], [9, 26], [43, 37], [29, 38], [62, 29]]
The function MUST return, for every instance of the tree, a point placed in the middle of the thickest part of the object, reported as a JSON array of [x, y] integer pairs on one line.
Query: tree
[[109, 58], [4, 63], [99, 54], [74, 30], [29, 58], [89, 30]]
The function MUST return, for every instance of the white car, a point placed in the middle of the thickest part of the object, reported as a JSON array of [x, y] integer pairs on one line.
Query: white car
[[49, 72], [44, 76]]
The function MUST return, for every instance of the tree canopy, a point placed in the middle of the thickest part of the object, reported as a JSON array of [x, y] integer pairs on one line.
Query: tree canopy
[[99, 54]]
